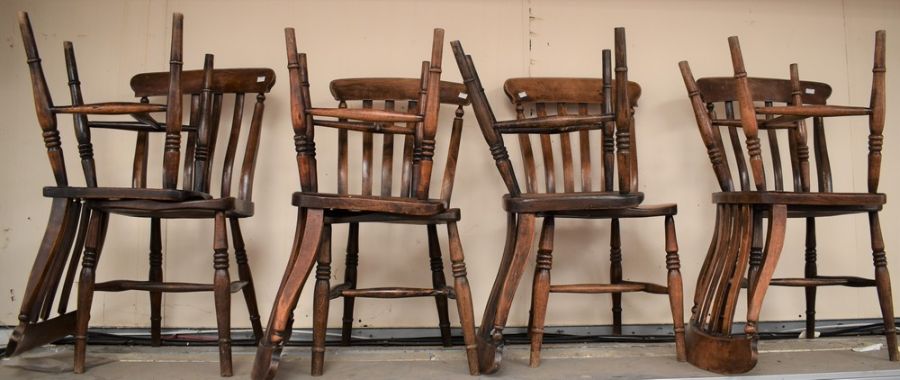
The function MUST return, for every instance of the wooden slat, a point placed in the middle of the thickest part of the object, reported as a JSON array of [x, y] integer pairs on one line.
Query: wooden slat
[[622, 287], [365, 127], [584, 147], [231, 148], [565, 143], [547, 150], [397, 292], [343, 159], [527, 154], [737, 148], [850, 281], [367, 163], [552, 124], [408, 145], [365, 114], [814, 110], [776, 154], [111, 108], [823, 164], [169, 287], [387, 156]]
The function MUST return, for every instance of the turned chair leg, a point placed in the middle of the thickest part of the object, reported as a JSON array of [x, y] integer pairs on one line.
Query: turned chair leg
[[615, 274], [222, 291], [810, 271], [520, 232], [155, 275], [883, 284], [756, 252], [303, 254], [438, 281], [350, 279], [463, 297], [96, 234], [244, 274], [675, 287], [321, 300], [757, 290], [541, 290]]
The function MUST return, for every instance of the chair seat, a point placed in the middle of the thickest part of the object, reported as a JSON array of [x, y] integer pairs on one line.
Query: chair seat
[[195, 209], [344, 216], [641, 211], [115, 193], [361, 203], [548, 202], [819, 201]]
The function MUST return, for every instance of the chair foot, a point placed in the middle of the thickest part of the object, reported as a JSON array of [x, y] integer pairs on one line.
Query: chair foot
[[490, 352], [268, 357]]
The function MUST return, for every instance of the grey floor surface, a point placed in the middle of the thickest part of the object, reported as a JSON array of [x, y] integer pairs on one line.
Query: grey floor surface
[[779, 359]]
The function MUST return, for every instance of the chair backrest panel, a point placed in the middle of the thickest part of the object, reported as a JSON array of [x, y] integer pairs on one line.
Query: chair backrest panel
[[563, 106], [421, 99], [392, 94], [241, 80], [717, 99], [233, 84], [543, 97]]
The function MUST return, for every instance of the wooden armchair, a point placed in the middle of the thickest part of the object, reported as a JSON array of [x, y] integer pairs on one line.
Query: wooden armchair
[[582, 106], [409, 203], [738, 248], [93, 204]]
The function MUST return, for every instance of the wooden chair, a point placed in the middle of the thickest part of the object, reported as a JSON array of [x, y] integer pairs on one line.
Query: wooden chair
[[193, 200], [738, 240], [577, 101], [319, 211]]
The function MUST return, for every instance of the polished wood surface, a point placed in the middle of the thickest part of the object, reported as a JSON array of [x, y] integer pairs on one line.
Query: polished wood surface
[[571, 111], [402, 113], [744, 255]]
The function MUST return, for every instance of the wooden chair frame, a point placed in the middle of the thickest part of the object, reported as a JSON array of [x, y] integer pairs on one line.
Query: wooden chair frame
[[738, 241], [319, 211], [92, 204], [619, 156]]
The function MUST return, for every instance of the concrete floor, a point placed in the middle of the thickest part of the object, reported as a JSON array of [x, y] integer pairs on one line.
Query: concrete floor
[[779, 359]]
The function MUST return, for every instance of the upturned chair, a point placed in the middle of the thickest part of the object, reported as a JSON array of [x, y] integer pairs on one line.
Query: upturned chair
[[582, 106], [193, 200], [745, 200], [318, 211]]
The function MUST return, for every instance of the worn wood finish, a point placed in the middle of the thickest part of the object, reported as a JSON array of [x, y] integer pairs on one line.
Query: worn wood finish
[[380, 109], [786, 105], [194, 199], [570, 108]]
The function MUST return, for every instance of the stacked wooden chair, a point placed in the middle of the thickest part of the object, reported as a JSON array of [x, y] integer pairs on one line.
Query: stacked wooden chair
[[410, 203], [581, 106], [738, 248], [80, 215]]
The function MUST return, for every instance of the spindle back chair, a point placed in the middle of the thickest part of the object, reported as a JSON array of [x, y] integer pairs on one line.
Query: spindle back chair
[[36, 327], [577, 101], [193, 199], [208, 90], [382, 112], [772, 105]]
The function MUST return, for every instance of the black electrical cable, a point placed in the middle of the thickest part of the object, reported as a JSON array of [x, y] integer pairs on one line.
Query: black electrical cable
[[210, 339]]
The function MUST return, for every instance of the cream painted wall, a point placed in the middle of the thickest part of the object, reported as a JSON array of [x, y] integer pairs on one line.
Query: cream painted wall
[[831, 40]]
